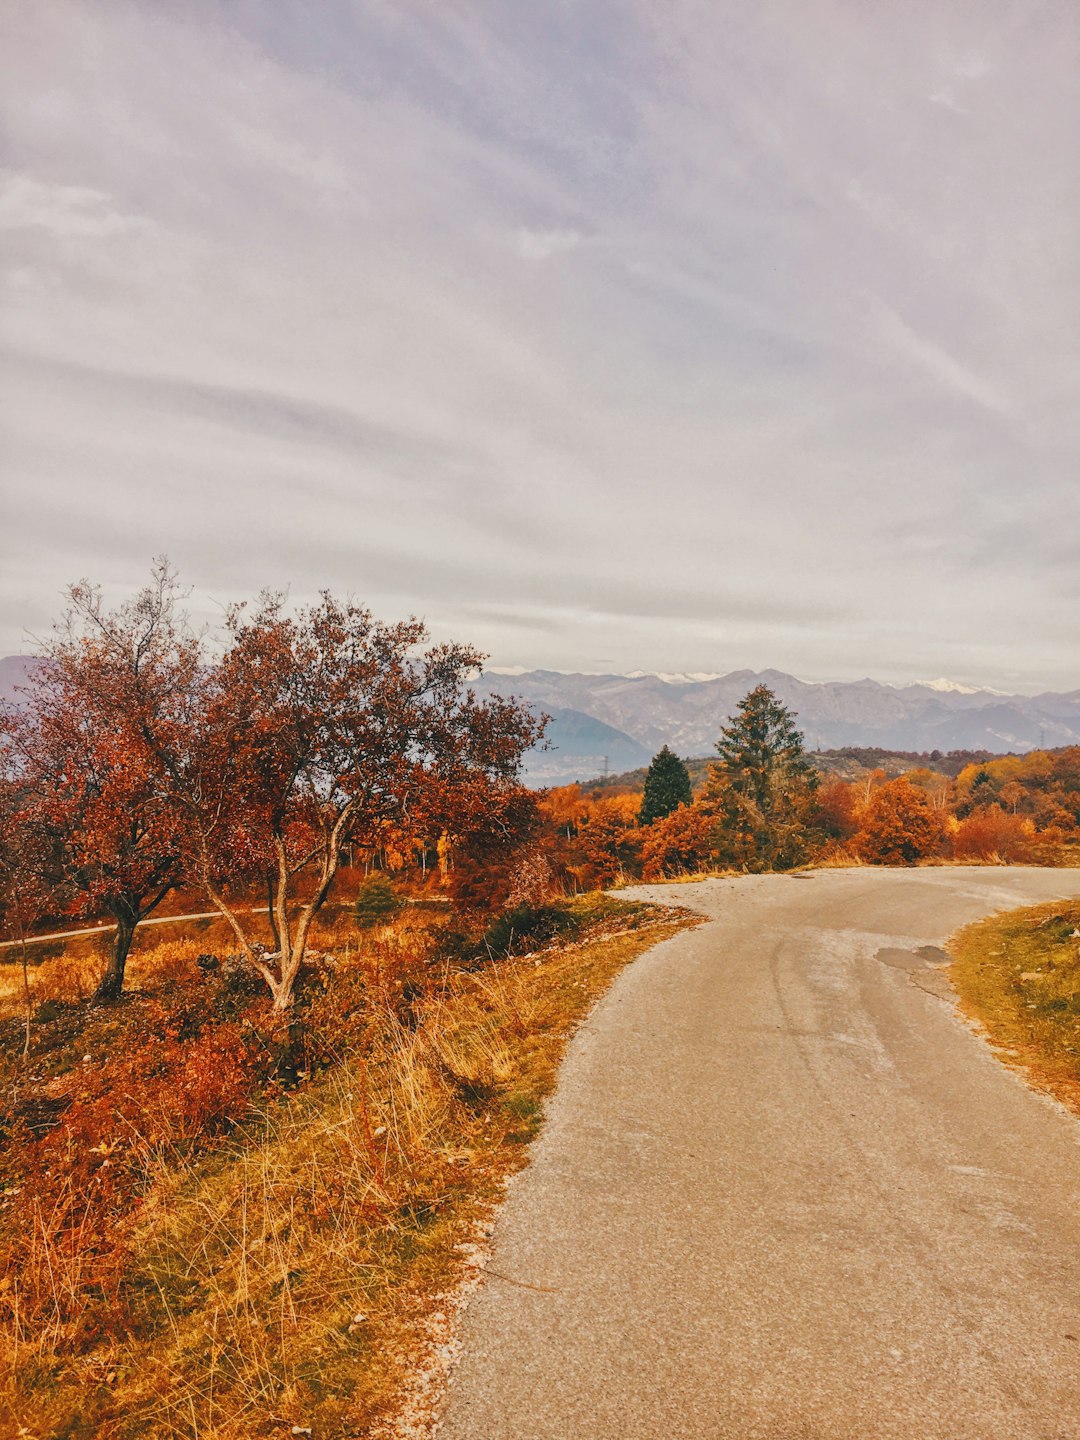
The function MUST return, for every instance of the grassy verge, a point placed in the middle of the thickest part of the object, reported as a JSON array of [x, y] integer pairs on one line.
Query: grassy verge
[[1018, 975], [283, 1276]]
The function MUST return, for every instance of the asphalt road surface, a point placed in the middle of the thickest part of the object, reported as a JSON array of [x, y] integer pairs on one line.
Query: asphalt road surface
[[785, 1194]]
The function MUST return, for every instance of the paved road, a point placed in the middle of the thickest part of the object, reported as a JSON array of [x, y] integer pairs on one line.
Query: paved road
[[784, 1194]]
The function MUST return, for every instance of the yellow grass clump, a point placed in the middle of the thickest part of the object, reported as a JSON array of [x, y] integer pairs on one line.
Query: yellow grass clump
[[1018, 976]]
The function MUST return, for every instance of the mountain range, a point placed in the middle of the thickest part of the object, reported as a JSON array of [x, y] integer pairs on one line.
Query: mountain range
[[626, 718], [618, 722]]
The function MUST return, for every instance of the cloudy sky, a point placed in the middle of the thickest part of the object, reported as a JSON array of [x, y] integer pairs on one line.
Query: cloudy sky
[[652, 334]]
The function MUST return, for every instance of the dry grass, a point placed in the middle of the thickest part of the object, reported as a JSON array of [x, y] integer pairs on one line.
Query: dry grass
[[284, 1280], [71, 969], [1018, 975]]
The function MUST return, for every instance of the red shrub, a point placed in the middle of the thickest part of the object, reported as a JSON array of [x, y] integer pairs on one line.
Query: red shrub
[[74, 1190]]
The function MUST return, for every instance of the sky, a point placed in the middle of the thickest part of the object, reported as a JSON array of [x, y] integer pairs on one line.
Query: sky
[[605, 336]]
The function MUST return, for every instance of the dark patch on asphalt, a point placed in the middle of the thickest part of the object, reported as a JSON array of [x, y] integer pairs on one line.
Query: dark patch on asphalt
[[934, 955], [911, 960], [925, 967]]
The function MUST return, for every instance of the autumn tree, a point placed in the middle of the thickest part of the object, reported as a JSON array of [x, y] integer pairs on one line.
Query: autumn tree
[[316, 730], [607, 842], [24, 898], [667, 786], [762, 786], [93, 809], [837, 806], [492, 853], [562, 807], [899, 825]]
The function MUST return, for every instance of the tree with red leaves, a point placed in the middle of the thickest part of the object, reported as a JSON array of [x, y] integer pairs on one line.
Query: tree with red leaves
[[315, 731], [92, 810]]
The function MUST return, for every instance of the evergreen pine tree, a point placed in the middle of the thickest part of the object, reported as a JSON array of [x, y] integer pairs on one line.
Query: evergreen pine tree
[[667, 786], [763, 784]]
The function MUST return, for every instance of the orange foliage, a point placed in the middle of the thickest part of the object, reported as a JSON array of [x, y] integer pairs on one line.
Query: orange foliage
[[563, 808], [899, 825], [678, 844], [486, 861], [75, 1190], [607, 840], [837, 808], [991, 833]]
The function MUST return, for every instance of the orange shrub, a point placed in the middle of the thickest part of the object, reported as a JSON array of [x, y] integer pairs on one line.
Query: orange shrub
[[678, 844], [837, 806], [991, 833], [607, 841]]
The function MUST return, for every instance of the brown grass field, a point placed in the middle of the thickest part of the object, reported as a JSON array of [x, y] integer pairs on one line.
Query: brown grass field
[[286, 1274]]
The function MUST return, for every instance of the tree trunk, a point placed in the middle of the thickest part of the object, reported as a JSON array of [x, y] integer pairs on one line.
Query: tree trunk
[[26, 995], [270, 910], [112, 982]]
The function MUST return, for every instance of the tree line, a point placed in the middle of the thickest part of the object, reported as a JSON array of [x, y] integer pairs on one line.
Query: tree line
[[764, 806]]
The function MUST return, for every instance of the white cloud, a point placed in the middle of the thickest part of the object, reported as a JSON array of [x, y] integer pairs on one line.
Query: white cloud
[[937, 362], [542, 244], [68, 212]]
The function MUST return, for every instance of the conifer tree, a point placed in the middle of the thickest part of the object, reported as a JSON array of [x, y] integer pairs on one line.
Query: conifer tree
[[667, 786], [762, 785]]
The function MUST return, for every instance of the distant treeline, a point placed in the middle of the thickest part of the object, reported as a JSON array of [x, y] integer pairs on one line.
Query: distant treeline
[[867, 757]]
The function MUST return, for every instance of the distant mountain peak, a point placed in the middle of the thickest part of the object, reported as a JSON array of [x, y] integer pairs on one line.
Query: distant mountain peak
[[955, 687], [675, 677]]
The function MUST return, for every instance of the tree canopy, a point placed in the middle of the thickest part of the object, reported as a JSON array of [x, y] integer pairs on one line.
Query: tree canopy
[[900, 825], [320, 728]]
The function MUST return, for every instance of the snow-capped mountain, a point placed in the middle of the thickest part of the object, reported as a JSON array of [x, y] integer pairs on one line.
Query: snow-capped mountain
[[950, 687], [671, 677]]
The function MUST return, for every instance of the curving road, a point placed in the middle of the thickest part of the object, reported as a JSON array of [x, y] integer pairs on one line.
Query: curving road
[[785, 1194]]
